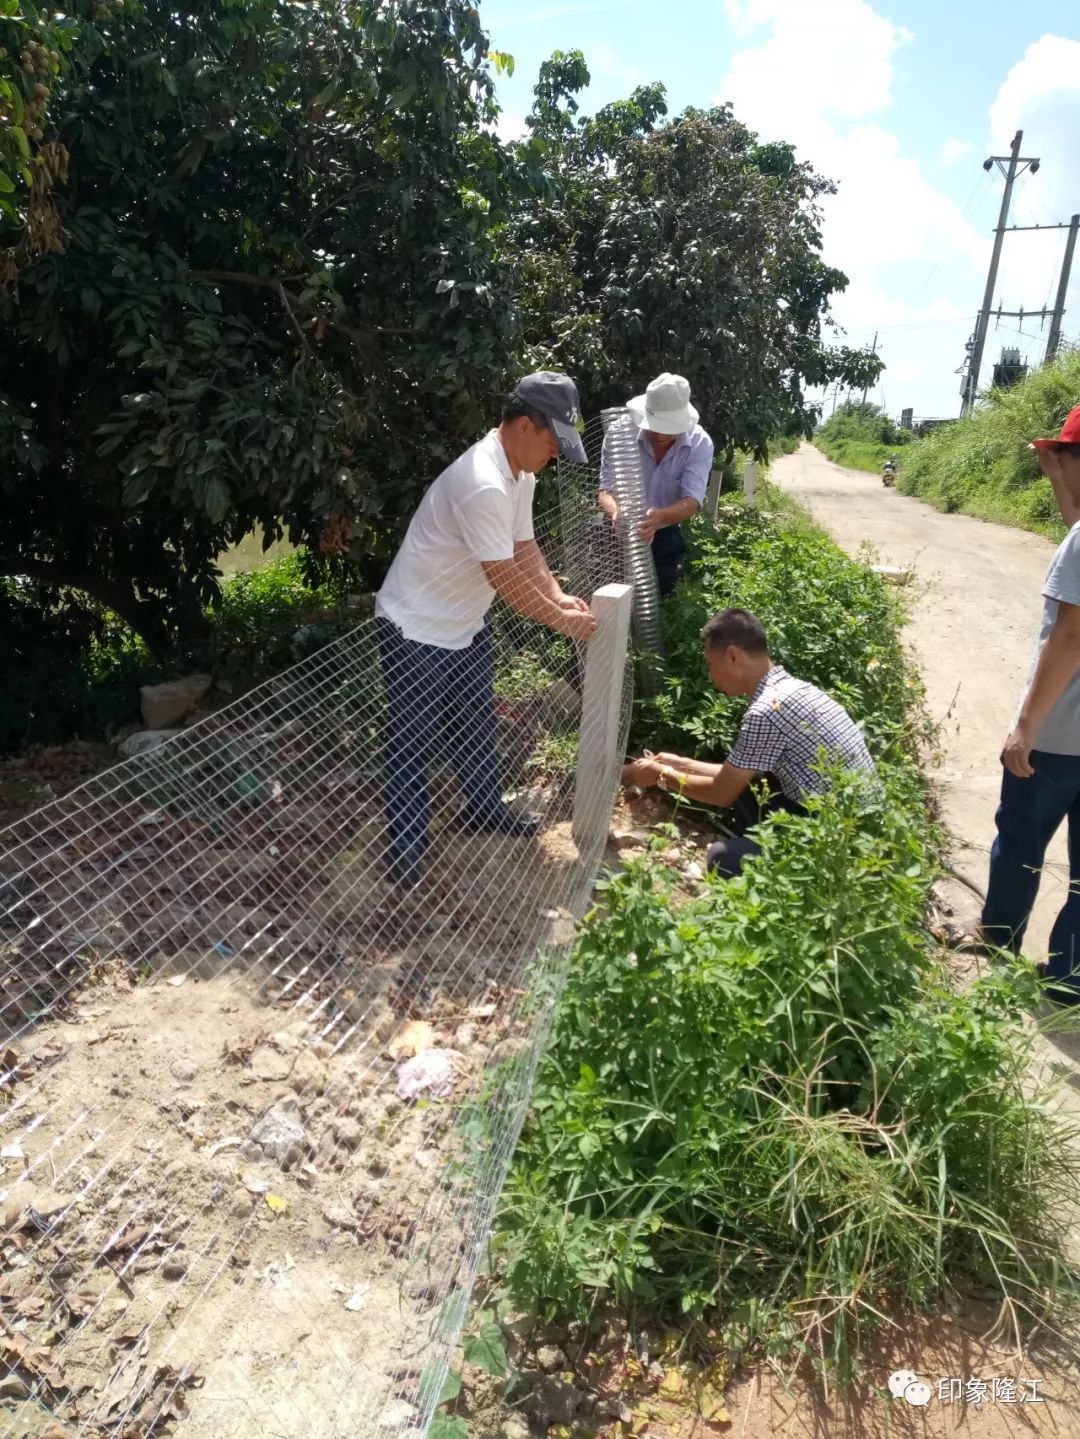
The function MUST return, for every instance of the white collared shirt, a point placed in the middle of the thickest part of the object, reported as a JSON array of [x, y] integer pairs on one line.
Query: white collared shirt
[[436, 591]]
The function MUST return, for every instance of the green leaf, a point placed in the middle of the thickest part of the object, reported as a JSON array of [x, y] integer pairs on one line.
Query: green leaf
[[217, 499], [7, 184], [486, 1350], [446, 1426], [21, 140], [451, 1387]]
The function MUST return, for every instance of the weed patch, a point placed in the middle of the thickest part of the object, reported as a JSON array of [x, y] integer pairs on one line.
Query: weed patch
[[769, 1106], [982, 466]]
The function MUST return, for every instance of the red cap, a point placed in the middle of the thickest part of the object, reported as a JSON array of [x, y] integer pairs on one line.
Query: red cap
[[1070, 433]]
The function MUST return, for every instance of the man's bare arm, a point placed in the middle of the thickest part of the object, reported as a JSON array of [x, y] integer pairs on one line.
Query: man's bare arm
[[608, 503], [721, 788], [659, 519], [688, 766], [529, 555], [522, 586]]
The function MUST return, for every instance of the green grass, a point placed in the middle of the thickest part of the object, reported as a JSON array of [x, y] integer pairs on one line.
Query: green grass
[[771, 1108], [861, 437], [982, 465], [862, 454], [74, 671]]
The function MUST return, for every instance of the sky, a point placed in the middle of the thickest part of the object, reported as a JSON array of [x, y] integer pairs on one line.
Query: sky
[[899, 102]]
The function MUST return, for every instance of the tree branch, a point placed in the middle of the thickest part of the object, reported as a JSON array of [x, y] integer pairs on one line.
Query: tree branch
[[269, 282], [144, 617]]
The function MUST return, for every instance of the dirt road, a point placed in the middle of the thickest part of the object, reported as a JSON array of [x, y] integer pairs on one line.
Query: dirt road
[[975, 617]]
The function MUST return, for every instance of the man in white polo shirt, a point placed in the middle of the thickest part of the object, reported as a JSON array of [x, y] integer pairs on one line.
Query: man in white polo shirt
[[470, 539]]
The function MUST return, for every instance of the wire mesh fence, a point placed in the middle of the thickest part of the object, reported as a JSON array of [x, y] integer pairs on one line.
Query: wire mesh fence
[[258, 1102]]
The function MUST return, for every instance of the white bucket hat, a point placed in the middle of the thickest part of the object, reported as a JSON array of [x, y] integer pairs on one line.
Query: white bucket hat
[[665, 407]]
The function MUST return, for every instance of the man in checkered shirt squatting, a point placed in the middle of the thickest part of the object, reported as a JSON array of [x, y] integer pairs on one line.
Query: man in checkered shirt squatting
[[787, 726]]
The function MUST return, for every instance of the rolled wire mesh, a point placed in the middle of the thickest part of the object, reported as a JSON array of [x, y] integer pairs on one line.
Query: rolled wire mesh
[[622, 451], [220, 1200]]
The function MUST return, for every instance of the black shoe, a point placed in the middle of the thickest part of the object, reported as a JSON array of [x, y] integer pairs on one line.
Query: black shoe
[[402, 871], [502, 821]]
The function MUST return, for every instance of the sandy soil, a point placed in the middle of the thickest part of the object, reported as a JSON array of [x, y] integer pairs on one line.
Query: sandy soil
[[974, 622]]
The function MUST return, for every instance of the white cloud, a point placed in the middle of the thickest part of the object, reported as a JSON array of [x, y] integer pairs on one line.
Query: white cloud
[[824, 74], [1041, 96], [834, 57], [954, 150]]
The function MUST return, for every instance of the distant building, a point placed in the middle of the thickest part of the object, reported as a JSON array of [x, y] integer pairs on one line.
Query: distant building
[[1009, 370]]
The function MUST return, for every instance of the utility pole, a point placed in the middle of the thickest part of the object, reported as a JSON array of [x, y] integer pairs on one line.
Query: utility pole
[[873, 351], [1016, 165], [1054, 338]]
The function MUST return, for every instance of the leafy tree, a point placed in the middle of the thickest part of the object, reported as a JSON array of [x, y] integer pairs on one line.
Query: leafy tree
[[684, 245], [279, 300], [854, 420], [34, 39]]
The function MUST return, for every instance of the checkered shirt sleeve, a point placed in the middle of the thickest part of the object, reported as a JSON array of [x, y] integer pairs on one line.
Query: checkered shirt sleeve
[[759, 745]]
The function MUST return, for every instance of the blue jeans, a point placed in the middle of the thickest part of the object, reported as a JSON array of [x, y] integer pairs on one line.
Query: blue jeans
[[1029, 815], [438, 701]]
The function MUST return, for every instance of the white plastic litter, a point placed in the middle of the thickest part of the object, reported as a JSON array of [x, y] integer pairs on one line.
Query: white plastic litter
[[431, 1072]]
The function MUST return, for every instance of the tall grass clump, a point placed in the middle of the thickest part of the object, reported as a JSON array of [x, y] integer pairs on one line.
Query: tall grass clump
[[982, 466], [829, 621], [772, 1100]]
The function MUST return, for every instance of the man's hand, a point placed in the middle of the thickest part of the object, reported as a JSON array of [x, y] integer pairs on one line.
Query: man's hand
[[576, 624], [1050, 463], [642, 772], [649, 526], [1016, 754], [573, 602]]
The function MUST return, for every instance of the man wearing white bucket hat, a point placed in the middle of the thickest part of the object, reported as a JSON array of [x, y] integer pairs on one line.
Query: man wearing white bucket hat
[[676, 462]]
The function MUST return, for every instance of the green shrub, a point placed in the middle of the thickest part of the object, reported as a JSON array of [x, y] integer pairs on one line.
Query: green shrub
[[862, 437], [69, 671], [771, 1100], [982, 465], [784, 445], [829, 621], [861, 454], [771, 1105], [74, 670]]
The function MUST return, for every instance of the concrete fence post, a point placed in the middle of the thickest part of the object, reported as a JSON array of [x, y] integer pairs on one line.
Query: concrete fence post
[[712, 496], [601, 707], [749, 484]]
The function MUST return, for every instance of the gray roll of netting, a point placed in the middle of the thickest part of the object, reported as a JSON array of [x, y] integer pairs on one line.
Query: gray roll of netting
[[624, 452]]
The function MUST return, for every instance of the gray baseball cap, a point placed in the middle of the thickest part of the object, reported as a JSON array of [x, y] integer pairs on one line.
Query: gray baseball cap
[[555, 397]]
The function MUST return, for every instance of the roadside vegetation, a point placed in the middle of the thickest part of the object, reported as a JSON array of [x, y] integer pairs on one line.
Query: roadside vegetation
[[74, 670], [982, 465], [862, 437], [770, 1107]]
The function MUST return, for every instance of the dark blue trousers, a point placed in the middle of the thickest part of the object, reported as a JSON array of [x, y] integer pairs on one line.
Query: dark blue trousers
[[1029, 815], [439, 703]]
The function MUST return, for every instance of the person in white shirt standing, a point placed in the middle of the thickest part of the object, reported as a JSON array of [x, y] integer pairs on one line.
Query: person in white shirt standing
[[1040, 786], [470, 539]]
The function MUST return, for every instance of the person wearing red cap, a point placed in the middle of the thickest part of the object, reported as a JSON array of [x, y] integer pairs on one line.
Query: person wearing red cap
[[1041, 783]]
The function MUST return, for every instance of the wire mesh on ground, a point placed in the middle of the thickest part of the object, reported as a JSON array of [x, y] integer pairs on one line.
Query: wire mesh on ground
[[257, 1107]]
